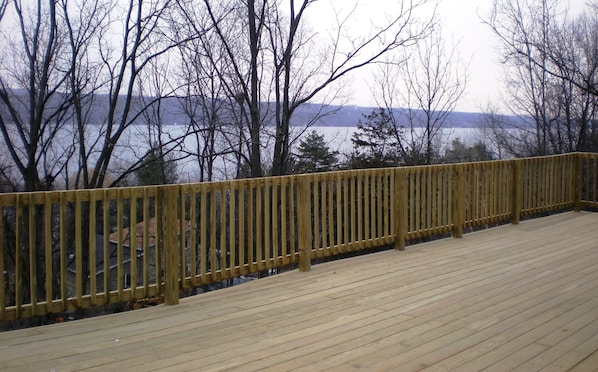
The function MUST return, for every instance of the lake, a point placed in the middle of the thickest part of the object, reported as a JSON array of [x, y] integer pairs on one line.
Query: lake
[[339, 138], [136, 141]]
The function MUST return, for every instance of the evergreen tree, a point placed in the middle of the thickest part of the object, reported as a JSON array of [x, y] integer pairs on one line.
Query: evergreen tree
[[460, 152], [376, 141], [157, 169], [314, 155]]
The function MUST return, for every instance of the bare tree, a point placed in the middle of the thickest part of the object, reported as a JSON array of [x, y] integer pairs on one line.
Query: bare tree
[[347, 54], [296, 73], [220, 27], [32, 104], [69, 91], [523, 25], [127, 58], [550, 72], [3, 5], [426, 81], [158, 107], [214, 124], [33, 117], [143, 41], [85, 22], [574, 53]]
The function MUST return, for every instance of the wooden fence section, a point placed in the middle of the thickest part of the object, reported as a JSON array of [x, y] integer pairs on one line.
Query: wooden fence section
[[65, 250], [586, 181]]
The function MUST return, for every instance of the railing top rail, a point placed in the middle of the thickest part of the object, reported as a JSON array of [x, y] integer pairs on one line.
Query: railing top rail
[[258, 223], [9, 197]]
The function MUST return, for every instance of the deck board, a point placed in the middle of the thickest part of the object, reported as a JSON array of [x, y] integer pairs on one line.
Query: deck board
[[516, 297]]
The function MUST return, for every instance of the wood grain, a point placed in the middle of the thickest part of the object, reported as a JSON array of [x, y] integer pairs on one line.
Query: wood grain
[[516, 297]]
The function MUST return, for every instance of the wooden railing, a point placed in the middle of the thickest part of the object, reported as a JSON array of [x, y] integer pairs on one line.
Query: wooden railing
[[65, 250]]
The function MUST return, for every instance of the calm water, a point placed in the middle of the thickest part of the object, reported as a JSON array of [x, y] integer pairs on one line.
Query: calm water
[[339, 138], [135, 143]]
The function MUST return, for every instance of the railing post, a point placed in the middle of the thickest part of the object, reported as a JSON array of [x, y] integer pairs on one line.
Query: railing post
[[304, 222], [578, 174], [516, 193], [400, 197], [459, 201], [168, 196]]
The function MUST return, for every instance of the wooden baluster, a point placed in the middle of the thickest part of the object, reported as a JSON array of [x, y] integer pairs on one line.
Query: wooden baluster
[[401, 205], [232, 236], [578, 181], [516, 192], [459, 201], [169, 196], [203, 233], [304, 221], [2, 266]]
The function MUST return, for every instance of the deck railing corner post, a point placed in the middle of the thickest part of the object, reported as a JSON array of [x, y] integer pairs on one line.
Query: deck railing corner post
[[401, 203], [304, 222], [459, 201], [169, 197], [578, 180], [516, 192]]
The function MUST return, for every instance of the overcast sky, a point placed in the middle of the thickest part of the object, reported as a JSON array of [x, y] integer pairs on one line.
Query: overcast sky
[[461, 20]]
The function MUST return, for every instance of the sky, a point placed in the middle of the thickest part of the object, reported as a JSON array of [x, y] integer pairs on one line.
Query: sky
[[461, 21], [477, 45]]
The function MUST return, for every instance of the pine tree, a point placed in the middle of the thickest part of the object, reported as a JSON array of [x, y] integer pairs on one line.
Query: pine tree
[[157, 169], [376, 141], [314, 155]]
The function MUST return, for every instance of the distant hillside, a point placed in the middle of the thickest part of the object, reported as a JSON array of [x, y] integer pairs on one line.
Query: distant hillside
[[349, 116], [328, 116]]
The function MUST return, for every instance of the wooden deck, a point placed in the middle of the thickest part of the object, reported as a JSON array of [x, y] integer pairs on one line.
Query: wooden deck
[[518, 297]]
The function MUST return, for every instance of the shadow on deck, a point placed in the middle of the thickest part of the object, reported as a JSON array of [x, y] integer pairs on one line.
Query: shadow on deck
[[513, 297]]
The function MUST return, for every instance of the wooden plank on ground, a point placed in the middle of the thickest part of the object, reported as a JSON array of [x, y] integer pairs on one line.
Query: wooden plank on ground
[[515, 296]]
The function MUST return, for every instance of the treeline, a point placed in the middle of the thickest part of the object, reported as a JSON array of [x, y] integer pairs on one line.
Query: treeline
[[551, 75], [77, 77], [219, 61], [237, 69]]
